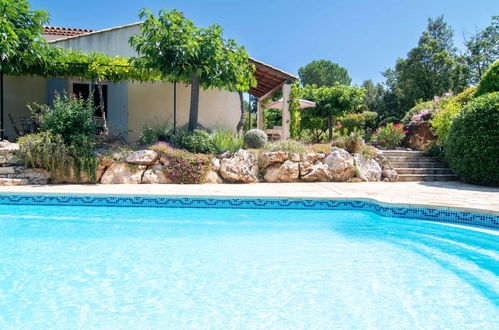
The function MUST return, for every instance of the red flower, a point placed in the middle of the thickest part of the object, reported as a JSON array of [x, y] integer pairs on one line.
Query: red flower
[[374, 133]]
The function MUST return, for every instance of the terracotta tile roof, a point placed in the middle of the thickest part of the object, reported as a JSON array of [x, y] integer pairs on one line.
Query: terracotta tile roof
[[61, 31]]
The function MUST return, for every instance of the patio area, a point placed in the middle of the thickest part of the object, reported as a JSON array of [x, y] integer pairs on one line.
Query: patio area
[[442, 195]]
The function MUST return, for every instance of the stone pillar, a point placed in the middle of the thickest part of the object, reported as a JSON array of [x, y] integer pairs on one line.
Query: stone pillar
[[286, 91], [259, 115]]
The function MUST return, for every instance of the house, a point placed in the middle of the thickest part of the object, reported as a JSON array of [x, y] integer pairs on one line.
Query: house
[[129, 105]]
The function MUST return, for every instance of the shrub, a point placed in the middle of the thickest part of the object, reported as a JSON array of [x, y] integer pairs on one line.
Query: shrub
[[320, 148], [255, 138], [197, 141], [389, 136], [67, 117], [490, 81], [413, 111], [354, 141], [289, 146], [353, 121], [154, 133], [371, 119], [49, 151], [472, 147], [368, 151], [183, 166], [387, 120], [224, 140]]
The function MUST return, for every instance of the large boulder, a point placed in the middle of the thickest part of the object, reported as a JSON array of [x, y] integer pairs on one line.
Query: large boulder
[[269, 158], [418, 136], [340, 165], [367, 169], [287, 172], [213, 177], [142, 157], [34, 175], [241, 167], [390, 174], [71, 177], [315, 172], [7, 148], [120, 173], [8, 160], [155, 174]]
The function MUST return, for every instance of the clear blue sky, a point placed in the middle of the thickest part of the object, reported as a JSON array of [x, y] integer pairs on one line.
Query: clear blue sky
[[364, 36]]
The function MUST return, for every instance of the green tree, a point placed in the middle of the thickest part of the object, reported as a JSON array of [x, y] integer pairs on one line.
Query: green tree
[[482, 49], [332, 102], [21, 43], [430, 69], [173, 45], [323, 73], [374, 95]]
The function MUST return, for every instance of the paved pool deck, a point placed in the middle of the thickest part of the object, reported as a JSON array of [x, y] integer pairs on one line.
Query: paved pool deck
[[442, 195]]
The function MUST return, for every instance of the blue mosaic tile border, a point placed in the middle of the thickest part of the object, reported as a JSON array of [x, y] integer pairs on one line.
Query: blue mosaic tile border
[[458, 217]]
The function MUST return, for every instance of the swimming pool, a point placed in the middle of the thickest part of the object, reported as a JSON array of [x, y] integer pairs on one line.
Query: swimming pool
[[111, 262]]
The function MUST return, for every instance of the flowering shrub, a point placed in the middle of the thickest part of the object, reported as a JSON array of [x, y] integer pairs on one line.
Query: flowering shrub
[[389, 136], [354, 141], [182, 166]]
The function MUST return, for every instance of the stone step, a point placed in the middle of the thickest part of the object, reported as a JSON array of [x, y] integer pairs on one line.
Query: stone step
[[425, 170], [425, 177], [410, 158], [13, 182], [402, 152], [418, 164]]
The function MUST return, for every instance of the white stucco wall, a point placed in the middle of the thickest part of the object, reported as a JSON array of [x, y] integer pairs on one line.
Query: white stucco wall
[[153, 102], [18, 93]]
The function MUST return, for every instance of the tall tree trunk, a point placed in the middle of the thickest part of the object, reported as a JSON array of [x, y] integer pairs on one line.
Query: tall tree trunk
[[330, 126], [242, 119], [105, 130], [193, 113]]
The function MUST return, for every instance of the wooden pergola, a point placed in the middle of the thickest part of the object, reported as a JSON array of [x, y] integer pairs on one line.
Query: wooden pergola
[[269, 81]]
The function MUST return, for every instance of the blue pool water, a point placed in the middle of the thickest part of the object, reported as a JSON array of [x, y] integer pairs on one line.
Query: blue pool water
[[122, 268]]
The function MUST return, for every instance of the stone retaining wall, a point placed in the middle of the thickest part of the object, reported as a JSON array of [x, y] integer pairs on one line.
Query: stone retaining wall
[[146, 166]]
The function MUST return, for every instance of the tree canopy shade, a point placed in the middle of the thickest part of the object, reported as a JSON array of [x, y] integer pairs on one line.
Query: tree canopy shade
[[333, 101], [323, 73], [180, 51]]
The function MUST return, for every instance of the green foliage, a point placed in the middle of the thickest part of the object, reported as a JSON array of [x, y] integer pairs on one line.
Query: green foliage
[[472, 149], [172, 44], [289, 146], [320, 148], [374, 95], [415, 110], [371, 119], [272, 117], [482, 50], [332, 101], [294, 110], [368, 151], [49, 151], [20, 41], [69, 117], [387, 120], [323, 73], [255, 138], [353, 121], [441, 120], [183, 166], [197, 141], [389, 136], [224, 140], [432, 68], [152, 133], [490, 81]]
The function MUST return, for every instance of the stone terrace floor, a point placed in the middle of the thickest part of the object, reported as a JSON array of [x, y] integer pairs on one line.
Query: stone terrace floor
[[451, 194]]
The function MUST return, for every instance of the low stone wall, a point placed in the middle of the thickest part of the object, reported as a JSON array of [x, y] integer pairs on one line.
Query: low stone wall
[[146, 166]]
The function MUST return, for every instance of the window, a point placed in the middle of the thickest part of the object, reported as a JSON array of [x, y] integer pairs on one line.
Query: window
[[82, 89]]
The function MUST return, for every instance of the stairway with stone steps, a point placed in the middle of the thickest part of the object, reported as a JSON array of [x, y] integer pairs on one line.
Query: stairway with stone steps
[[415, 166]]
